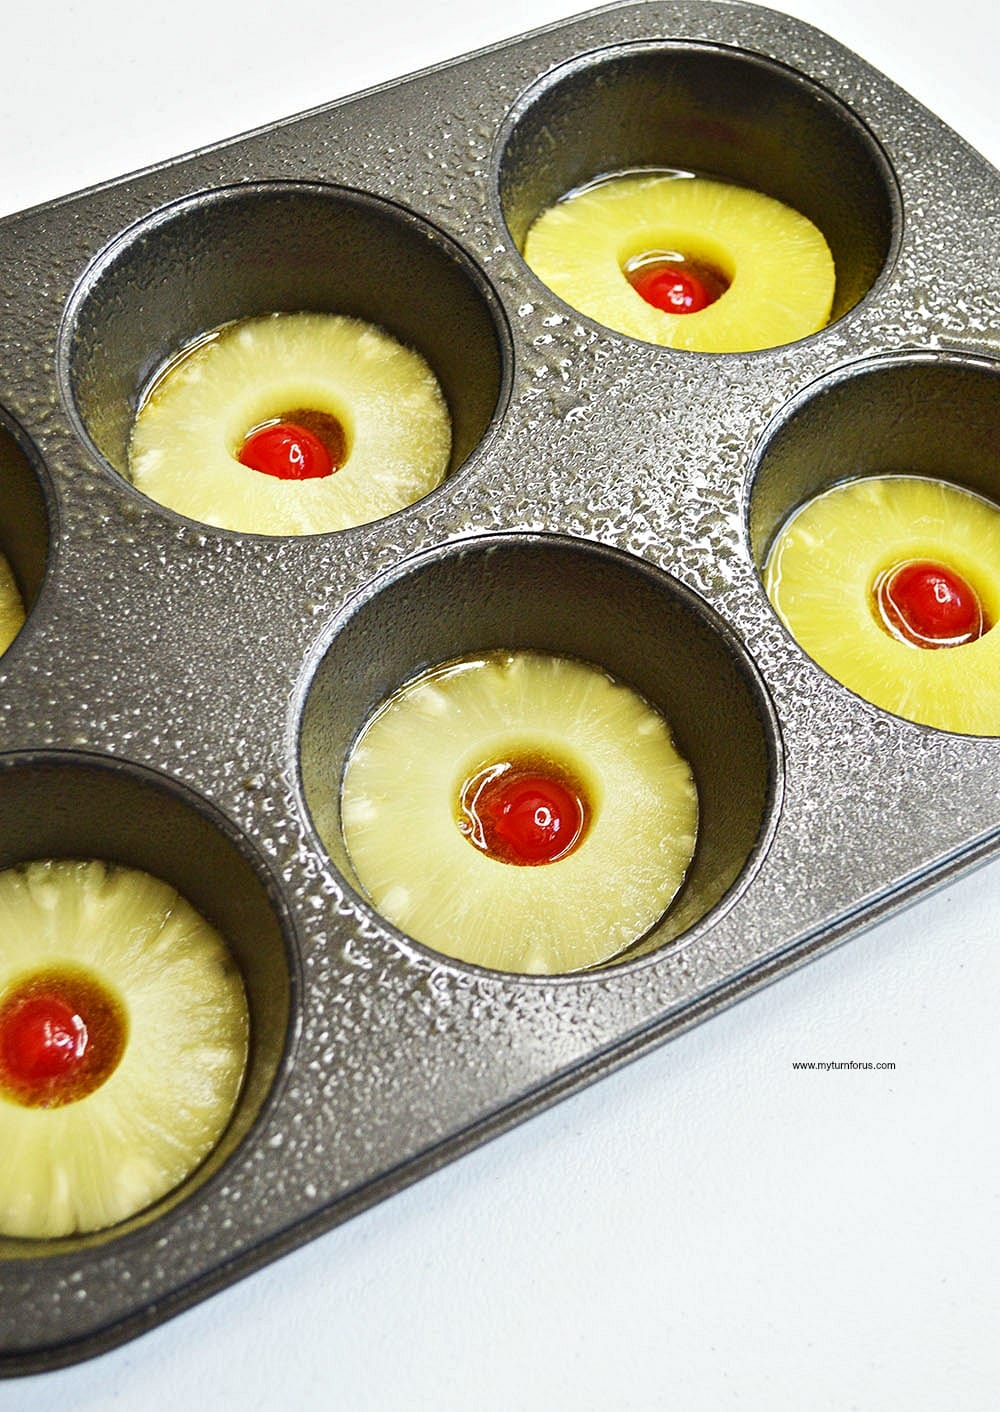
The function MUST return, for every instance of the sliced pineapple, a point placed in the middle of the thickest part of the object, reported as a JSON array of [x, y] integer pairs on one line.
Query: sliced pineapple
[[779, 267], [821, 575], [192, 425], [11, 606], [401, 826], [88, 1163]]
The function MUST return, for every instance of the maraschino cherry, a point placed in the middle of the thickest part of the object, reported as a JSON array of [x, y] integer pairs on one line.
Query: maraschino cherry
[[287, 451], [677, 286], [524, 814], [41, 1038], [61, 1035], [929, 605]]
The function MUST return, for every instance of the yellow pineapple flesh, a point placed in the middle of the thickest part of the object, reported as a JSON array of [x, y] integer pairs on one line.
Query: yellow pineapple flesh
[[90, 1162], [779, 269], [189, 430], [409, 769], [11, 606], [823, 570]]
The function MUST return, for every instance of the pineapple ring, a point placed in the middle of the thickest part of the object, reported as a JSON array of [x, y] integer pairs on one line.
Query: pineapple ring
[[11, 606], [820, 574], [780, 270], [406, 774], [93, 1162], [192, 424]]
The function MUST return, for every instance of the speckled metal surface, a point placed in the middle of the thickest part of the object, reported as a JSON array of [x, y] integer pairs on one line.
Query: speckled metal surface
[[167, 652]]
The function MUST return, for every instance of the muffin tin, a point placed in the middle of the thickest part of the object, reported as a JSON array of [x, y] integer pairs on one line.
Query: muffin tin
[[182, 699]]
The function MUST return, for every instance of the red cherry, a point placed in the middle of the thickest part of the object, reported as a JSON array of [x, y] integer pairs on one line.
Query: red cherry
[[288, 451], [61, 1034], [523, 816], [929, 605], [42, 1037], [671, 288], [675, 284]]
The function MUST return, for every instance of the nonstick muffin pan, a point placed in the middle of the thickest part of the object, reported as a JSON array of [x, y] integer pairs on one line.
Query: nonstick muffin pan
[[181, 699]]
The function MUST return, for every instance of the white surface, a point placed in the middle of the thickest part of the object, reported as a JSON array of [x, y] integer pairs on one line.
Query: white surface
[[708, 1229]]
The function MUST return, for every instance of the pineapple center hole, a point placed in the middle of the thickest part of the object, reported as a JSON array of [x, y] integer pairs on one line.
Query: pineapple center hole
[[302, 444], [62, 1034], [526, 810], [928, 604], [675, 282]]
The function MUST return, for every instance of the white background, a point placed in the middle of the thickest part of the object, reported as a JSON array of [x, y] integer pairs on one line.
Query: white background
[[708, 1229]]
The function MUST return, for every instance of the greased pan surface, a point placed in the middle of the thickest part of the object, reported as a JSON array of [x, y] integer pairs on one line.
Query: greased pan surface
[[154, 596]]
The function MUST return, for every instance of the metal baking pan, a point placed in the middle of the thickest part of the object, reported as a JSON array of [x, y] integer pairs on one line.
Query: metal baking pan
[[182, 698]]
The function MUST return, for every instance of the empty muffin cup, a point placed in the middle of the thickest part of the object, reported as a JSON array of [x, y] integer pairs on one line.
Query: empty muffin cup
[[537, 600]]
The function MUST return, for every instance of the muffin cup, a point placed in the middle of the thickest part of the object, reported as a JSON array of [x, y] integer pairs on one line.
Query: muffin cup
[[237, 252], [84, 807], [715, 111], [24, 514], [573, 599]]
